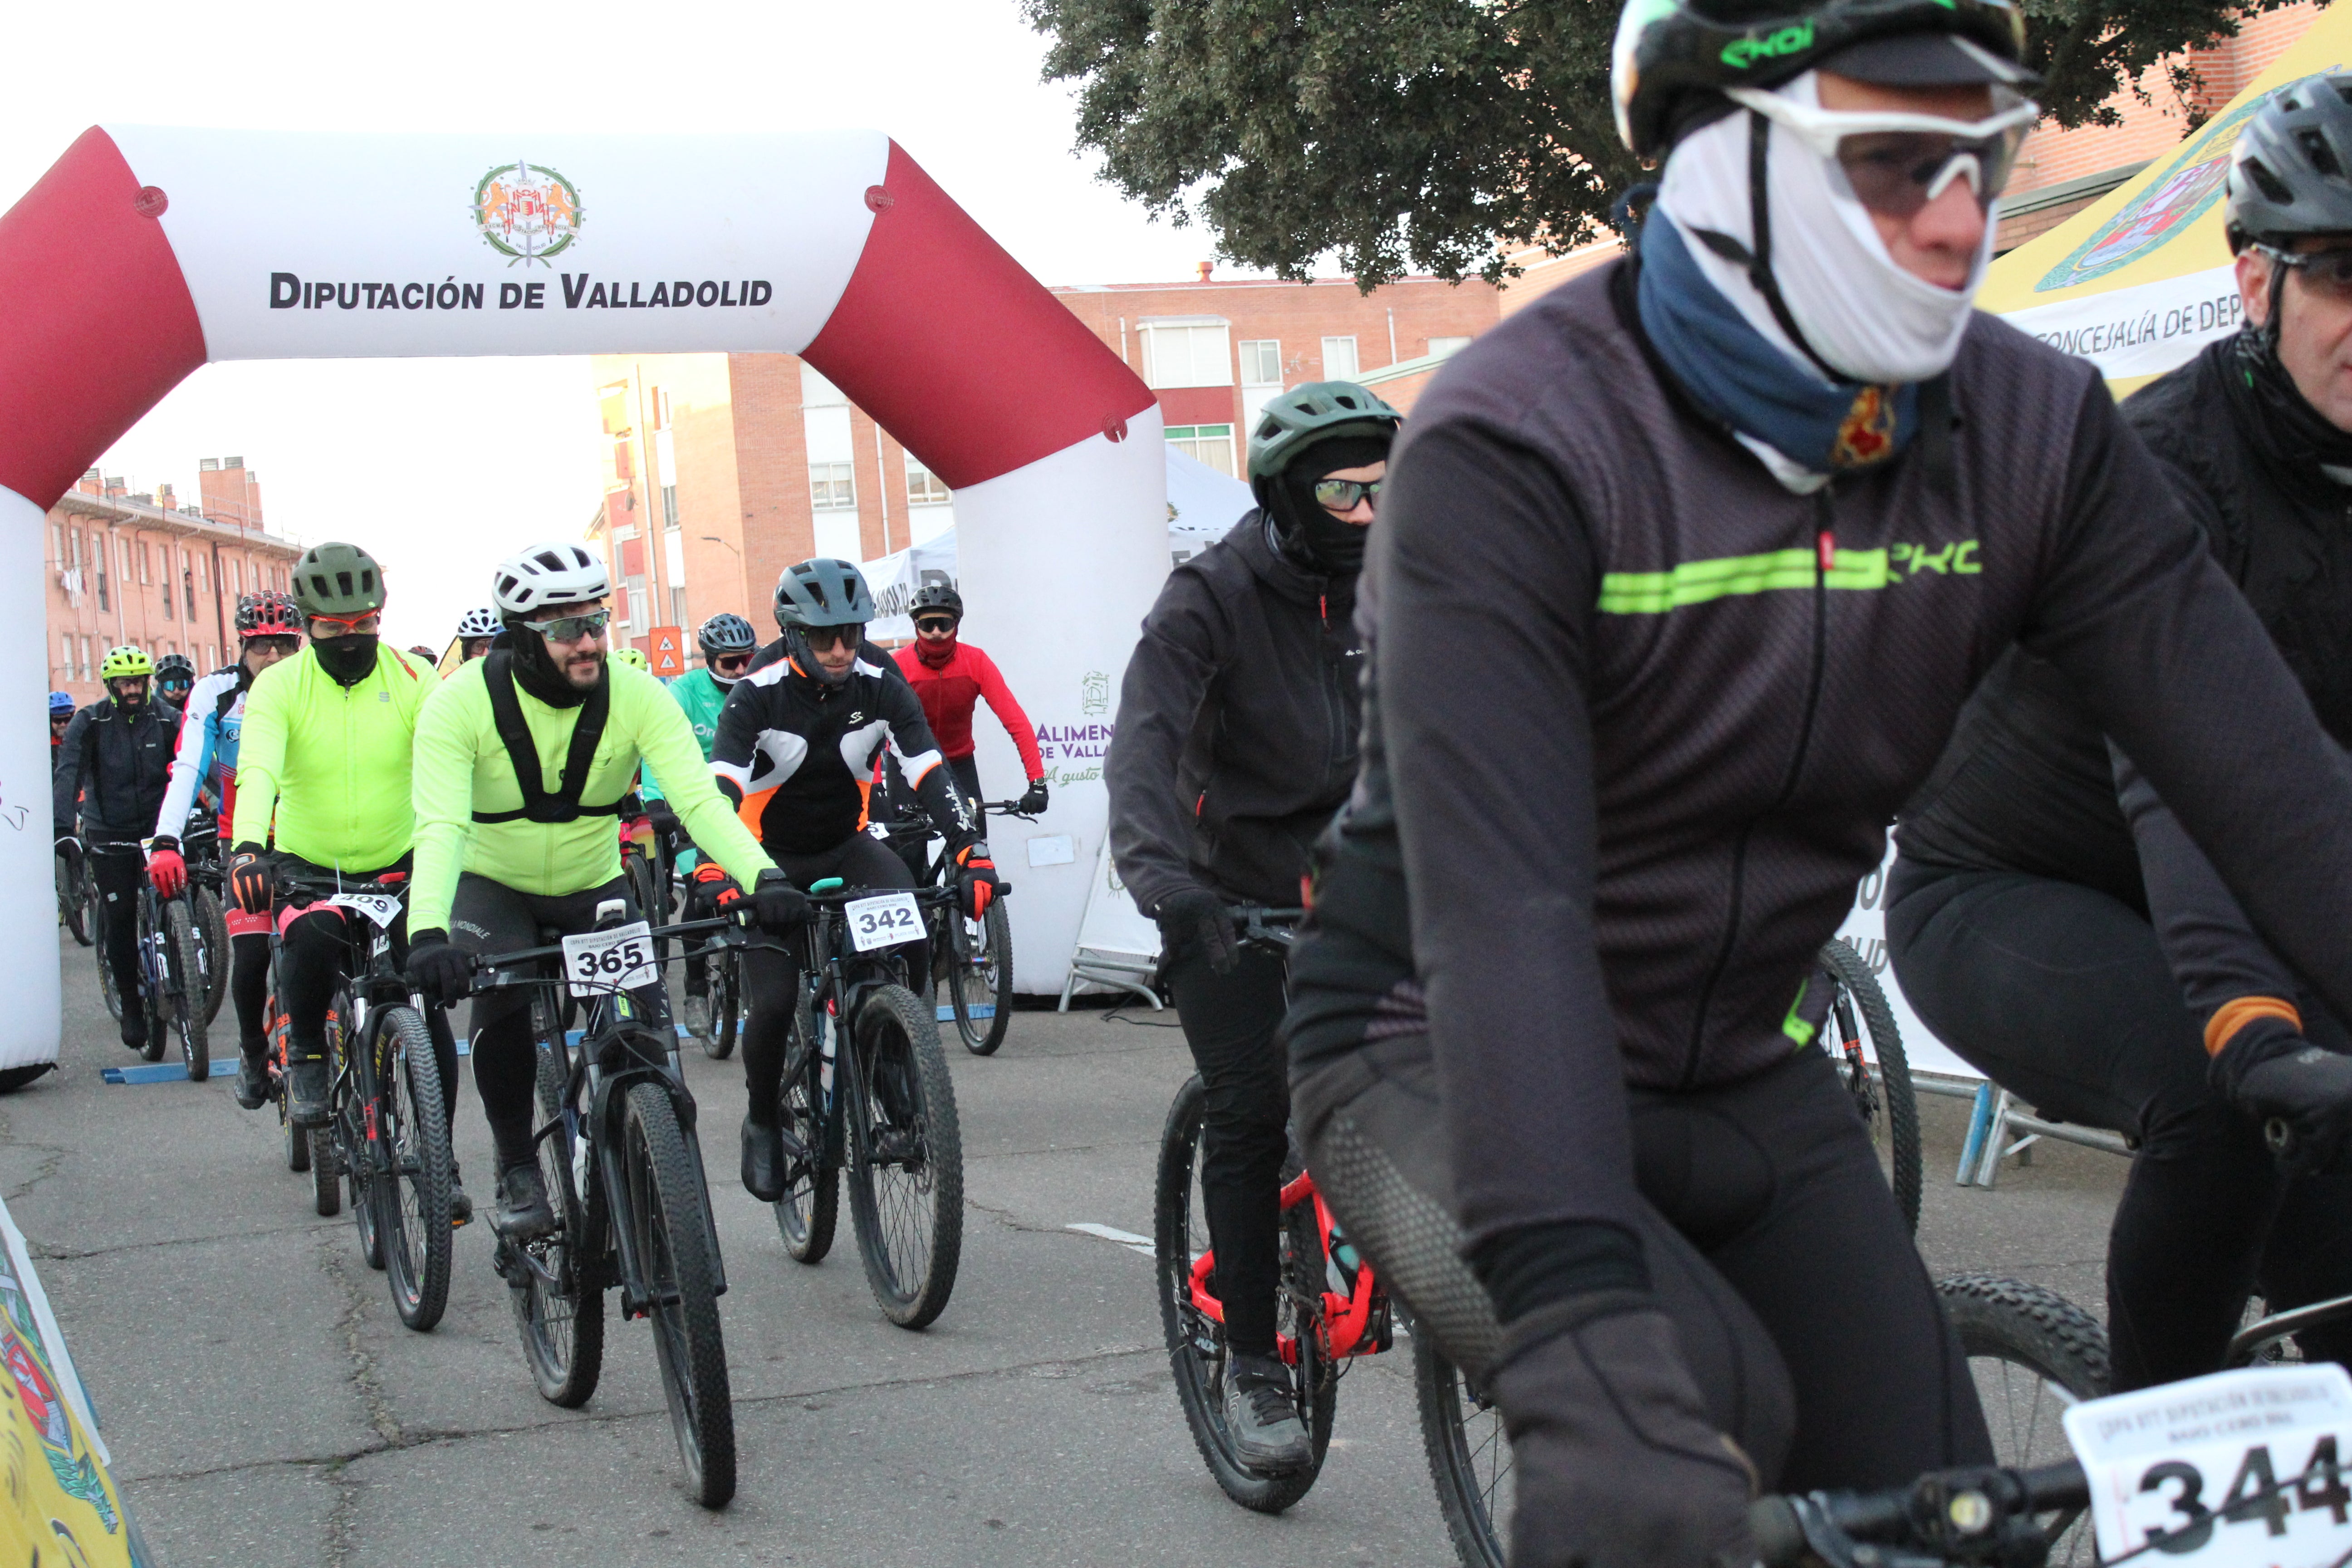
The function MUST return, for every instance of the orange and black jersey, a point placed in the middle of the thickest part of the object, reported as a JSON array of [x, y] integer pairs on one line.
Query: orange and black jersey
[[796, 756]]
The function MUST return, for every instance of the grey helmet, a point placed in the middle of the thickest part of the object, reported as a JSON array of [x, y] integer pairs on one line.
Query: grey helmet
[[820, 593], [2292, 171]]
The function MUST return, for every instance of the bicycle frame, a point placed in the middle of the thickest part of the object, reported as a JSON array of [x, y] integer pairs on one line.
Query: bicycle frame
[[1346, 1326]]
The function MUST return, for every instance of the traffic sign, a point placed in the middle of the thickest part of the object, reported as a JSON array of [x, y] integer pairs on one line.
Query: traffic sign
[[667, 651]]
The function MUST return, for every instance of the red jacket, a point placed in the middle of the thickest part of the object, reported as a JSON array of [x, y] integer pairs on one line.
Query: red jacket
[[950, 692]]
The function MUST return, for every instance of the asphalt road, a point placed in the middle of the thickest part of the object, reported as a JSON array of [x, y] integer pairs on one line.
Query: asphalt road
[[266, 1407]]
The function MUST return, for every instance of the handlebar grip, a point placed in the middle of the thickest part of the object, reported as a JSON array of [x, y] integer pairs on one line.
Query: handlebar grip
[[1780, 1538]]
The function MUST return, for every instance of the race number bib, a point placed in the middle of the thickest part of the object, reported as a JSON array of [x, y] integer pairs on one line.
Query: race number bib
[[382, 908], [883, 921], [603, 962], [2235, 1470]]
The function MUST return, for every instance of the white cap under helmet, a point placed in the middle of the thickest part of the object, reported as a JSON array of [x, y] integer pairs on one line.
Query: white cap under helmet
[[559, 572]]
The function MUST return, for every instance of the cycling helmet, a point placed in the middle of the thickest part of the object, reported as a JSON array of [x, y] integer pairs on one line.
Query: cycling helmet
[[937, 596], [556, 573], [1314, 412], [725, 633], [482, 622], [176, 667], [822, 593], [62, 705], [335, 579], [125, 661], [269, 614], [632, 657], [2291, 174], [1673, 58]]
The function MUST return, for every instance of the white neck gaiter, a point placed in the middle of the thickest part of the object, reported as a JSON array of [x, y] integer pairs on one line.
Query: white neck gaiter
[[1866, 316]]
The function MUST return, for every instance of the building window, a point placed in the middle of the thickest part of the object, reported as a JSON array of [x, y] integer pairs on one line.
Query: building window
[[832, 486], [212, 656], [1338, 359], [678, 604], [101, 584], [188, 582], [670, 506], [925, 488], [86, 662], [65, 647], [1186, 355], [57, 544], [1262, 361], [1447, 347], [167, 592], [235, 578], [639, 617], [146, 564], [73, 543], [1210, 444]]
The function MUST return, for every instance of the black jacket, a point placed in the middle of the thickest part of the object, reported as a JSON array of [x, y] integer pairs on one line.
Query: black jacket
[[1235, 739], [117, 769]]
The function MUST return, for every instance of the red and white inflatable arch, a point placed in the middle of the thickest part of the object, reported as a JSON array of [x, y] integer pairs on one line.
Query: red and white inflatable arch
[[147, 251]]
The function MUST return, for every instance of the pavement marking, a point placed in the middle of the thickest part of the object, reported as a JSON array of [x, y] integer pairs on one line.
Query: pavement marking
[[163, 1072], [979, 1010], [1126, 1238]]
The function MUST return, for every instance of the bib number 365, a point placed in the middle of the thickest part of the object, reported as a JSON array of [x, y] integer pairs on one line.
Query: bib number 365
[[599, 962], [884, 920]]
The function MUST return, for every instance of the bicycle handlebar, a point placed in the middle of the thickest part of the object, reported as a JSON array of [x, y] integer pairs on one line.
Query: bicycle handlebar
[[1963, 1516], [485, 962]]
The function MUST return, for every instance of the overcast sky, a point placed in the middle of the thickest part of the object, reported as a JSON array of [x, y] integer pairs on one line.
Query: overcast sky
[[437, 465]]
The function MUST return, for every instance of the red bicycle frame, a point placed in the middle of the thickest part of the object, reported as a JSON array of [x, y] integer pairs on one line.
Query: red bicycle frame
[[1343, 1325]]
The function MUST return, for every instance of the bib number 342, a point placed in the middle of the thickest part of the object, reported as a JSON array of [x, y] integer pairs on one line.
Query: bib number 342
[[599, 962], [884, 920]]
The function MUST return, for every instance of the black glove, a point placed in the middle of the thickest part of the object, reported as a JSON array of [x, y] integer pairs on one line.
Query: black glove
[[1033, 803], [249, 879], [1616, 1463], [1196, 917], [776, 905], [2302, 1094], [664, 822], [977, 880], [65, 841], [440, 972]]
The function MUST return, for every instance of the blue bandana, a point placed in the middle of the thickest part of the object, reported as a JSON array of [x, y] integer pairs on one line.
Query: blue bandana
[[1736, 375]]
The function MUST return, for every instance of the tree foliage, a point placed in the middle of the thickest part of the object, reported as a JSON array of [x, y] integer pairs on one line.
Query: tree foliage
[[1436, 135]]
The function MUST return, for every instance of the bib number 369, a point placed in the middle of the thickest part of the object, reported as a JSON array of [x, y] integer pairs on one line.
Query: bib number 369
[[884, 920], [599, 962]]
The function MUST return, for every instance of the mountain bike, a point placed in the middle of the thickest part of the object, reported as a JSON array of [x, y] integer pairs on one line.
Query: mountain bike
[[207, 894], [387, 1129], [76, 894], [173, 975], [972, 958], [884, 1110], [625, 1175], [1880, 1083]]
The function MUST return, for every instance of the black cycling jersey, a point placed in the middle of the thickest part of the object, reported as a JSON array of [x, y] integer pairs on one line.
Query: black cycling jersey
[[114, 769]]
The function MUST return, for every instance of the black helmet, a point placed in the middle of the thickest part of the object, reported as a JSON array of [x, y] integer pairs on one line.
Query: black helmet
[[823, 593], [2292, 171], [725, 633], [937, 596], [1673, 57], [176, 667]]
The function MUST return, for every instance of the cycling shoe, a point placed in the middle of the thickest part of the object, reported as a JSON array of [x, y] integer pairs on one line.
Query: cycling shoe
[[1262, 1419]]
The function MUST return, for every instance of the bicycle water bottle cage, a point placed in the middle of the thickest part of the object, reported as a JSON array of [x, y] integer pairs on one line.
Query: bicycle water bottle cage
[[830, 885]]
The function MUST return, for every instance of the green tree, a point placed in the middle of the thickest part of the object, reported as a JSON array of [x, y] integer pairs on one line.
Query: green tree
[[1431, 135]]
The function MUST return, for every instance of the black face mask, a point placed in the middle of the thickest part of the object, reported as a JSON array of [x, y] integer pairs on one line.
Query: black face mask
[[1305, 529], [347, 659], [2272, 414]]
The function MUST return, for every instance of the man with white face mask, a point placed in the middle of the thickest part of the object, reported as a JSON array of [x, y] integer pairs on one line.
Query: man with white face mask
[[1722, 536]]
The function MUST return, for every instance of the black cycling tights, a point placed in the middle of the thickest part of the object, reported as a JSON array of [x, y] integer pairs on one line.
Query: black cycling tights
[[317, 948], [249, 987], [2062, 996], [120, 872]]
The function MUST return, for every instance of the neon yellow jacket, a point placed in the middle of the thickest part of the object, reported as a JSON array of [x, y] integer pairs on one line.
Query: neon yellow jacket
[[462, 766], [332, 763]]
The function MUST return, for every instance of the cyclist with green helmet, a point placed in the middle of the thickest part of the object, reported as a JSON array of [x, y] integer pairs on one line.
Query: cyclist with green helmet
[[1235, 744], [728, 645], [112, 766]]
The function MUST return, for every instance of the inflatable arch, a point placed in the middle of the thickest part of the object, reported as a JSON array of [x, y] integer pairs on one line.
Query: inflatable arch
[[145, 252]]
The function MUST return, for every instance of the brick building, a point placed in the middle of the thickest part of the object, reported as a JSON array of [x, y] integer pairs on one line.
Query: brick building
[[723, 470], [146, 569]]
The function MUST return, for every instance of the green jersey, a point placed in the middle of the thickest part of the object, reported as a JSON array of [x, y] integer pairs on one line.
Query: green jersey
[[462, 767], [330, 762], [701, 697]]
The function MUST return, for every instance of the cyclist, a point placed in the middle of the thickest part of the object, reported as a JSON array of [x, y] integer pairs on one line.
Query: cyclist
[[175, 676], [204, 765], [634, 657], [728, 644], [2032, 932], [1235, 743], [322, 763], [502, 855], [797, 743], [1647, 690], [950, 677], [475, 630], [61, 712], [112, 764]]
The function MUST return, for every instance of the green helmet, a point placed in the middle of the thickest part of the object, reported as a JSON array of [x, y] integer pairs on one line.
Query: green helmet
[[634, 658], [1672, 55], [1315, 412], [337, 580], [125, 662]]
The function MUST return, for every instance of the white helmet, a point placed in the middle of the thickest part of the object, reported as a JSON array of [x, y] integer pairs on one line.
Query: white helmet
[[558, 573], [482, 622]]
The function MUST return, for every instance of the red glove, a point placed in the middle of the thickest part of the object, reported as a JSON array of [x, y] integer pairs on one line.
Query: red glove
[[249, 880], [981, 885], [716, 889], [167, 869]]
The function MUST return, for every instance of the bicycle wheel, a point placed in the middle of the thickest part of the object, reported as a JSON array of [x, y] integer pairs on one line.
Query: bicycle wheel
[[1469, 1456], [638, 868], [726, 1004], [73, 902], [156, 1007], [671, 1216], [558, 1306], [328, 1145], [184, 987], [412, 1188], [1889, 1106], [810, 1206], [906, 1158], [1196, 1342], [2032, 1353], [980, 988], [219, 955]]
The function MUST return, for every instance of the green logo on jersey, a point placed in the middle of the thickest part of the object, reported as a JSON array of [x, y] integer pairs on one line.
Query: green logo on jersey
[[1790, 40]]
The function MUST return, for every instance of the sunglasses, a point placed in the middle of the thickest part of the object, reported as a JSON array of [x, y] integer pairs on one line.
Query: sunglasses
[[1342, 495], [2327, 273], [935, 628], [730, 661], [277, 645], [826, 638], [1895, 165], [573, 629], [344, 625]]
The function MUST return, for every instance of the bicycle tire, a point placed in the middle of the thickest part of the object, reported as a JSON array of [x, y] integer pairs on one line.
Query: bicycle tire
[[413, 1194], [1469, 1456], [562, 1328], [1895, 1090], [14, 1079], [73, 898], [810, 1209], [2007, 1327], [220, 953], [902, 1075], [638, 869], [157, 1029], [965, 992], [185, 952], [295, 1141], [1196, 1345], [326, 1150], [674, 1230], [726, 1004]]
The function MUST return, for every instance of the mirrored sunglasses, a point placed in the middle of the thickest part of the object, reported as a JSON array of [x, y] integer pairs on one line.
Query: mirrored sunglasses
[[1895, 165], [823, 639], [1342, 495], [571, 628]]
